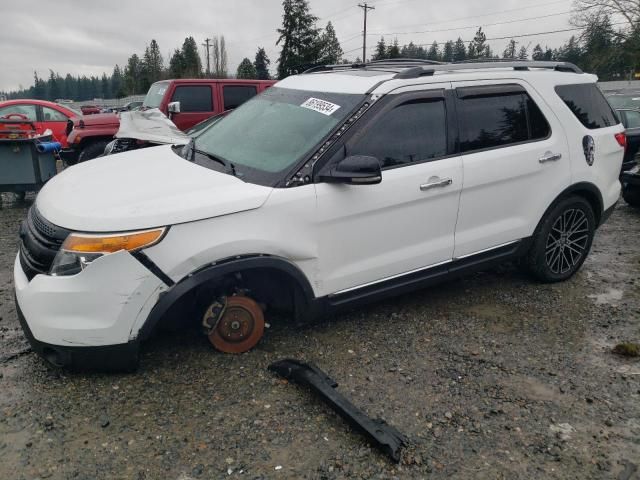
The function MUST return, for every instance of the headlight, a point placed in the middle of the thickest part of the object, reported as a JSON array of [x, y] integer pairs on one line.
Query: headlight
[[80, 249]]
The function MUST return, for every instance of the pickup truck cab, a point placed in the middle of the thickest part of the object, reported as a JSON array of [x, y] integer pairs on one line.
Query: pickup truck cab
[[186, 102]]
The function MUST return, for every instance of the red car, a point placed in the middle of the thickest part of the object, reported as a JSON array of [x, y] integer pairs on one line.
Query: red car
[[44, 115], [89, 109]]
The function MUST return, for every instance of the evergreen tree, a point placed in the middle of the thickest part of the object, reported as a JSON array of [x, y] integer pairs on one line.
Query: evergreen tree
[[299, 38], [176, 64], [117, 84], [479, 44], [459, 51], [393, 50], [191, 59], [54, 89], [548, 55], [152, 65], [381, 50], [434, 52], [39, 87], [538, 53], [70, 88], [246, 70], [510, 50], [261, 64], [523, 54], [132, 74], [105, 86], [447, 54], [331, 51]]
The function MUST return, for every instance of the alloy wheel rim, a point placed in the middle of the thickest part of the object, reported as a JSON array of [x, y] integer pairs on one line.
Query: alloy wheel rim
[[567, 241]]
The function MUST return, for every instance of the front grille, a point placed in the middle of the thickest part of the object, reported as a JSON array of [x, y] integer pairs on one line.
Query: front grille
[[40, 242]]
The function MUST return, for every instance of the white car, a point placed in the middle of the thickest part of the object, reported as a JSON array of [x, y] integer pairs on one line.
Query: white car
[[333, 187]]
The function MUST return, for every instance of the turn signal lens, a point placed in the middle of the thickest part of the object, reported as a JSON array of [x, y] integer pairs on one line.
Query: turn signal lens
[[130, 241], [622, 139]]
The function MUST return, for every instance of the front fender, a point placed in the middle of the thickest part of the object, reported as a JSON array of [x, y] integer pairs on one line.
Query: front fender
[[217, 271]]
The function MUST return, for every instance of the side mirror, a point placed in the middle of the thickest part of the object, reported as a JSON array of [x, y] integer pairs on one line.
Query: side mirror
[[174, 107], [354, 170]]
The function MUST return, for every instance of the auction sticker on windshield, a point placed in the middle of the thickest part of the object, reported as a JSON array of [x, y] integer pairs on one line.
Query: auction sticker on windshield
[[320, 106]]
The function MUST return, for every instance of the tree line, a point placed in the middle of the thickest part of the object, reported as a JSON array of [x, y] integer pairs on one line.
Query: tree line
[[604, 47]]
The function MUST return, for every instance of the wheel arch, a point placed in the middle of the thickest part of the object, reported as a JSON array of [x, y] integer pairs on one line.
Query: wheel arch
[[588, 191], [223, 268]]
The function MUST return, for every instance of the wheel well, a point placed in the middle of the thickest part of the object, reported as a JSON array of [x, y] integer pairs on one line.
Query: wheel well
[[274, 282], [586, 190], [593, 200]]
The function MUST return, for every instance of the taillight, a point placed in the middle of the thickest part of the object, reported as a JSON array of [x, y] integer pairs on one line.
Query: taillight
[[622, 140]]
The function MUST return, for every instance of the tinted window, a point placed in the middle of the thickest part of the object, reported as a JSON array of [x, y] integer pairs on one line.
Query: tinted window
[[193, 98], [588, 105], [236, 95], [28, 111], [51, 115], [411, 132], [500, 120]]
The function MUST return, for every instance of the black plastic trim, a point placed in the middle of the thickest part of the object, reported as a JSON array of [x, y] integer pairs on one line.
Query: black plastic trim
[[489, 90], [153, 268], [218, 270]]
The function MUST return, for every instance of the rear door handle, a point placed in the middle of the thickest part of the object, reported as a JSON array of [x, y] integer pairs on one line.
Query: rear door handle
[[550, 157], [440, 182]]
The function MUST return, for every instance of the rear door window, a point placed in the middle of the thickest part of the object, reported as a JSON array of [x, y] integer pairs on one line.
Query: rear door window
[[193, 98], [495, 120], [236, 95], [588, 105]]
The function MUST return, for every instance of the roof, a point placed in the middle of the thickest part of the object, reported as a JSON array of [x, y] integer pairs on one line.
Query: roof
[[385, 75], [43, 103]]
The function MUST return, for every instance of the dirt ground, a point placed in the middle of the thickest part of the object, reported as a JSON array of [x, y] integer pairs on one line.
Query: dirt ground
[[490, 376]]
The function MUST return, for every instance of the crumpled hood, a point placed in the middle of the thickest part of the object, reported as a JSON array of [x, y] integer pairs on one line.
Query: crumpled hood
[[98, 119], [152, 126], [144, 188]]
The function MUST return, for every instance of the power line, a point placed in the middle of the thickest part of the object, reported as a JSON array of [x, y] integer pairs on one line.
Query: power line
[[476, 26]]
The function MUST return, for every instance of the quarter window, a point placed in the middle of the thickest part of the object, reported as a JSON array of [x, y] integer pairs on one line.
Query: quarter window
[[412, 132], [632, 119], [499, 120], [193, 98], [588, 105], [51, 115], [236, 95]]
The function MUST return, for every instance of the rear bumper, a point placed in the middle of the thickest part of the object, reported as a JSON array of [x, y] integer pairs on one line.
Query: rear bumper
[[631, 177]]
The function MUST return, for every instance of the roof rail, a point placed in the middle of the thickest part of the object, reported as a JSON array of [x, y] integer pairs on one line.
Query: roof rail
[[402, 61], [515, 64]]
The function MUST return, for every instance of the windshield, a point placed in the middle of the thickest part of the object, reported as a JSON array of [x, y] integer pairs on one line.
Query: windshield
[[269, 134], [155, 94]]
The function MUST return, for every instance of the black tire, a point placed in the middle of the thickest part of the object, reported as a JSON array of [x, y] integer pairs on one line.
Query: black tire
[[562, 240], [631, 195], [93, 150]]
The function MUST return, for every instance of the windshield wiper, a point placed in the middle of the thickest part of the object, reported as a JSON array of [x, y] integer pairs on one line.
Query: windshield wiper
[[191, 152]]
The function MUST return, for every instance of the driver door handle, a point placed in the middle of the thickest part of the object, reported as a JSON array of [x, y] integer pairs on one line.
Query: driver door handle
[[436, 183], [550, 157]]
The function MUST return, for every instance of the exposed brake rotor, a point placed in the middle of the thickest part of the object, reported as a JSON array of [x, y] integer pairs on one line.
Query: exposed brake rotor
[[236, 325]]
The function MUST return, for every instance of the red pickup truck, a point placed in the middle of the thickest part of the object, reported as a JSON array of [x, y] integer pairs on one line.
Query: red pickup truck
[[186, 101]]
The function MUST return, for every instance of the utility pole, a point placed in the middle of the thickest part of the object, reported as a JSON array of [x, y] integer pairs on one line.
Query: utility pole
[[366, 8], [207, 45]]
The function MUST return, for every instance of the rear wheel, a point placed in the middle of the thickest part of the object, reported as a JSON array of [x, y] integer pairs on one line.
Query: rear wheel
[[93, 150], [562, 241]]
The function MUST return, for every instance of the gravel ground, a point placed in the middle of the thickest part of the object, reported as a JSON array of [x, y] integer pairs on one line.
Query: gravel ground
[[490, 376]]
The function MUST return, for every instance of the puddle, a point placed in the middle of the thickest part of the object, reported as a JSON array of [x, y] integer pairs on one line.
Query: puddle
[[611, 297]]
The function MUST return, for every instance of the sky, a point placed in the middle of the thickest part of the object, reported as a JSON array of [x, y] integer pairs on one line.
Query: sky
[[88, 37]]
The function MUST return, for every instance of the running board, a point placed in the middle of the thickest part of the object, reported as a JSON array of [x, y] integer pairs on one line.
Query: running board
[[388, 438]]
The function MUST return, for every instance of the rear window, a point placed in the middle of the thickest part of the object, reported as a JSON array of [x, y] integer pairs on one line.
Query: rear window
[[588, 105]]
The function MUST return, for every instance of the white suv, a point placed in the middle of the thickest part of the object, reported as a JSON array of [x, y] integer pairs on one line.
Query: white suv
[[337, 186]]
